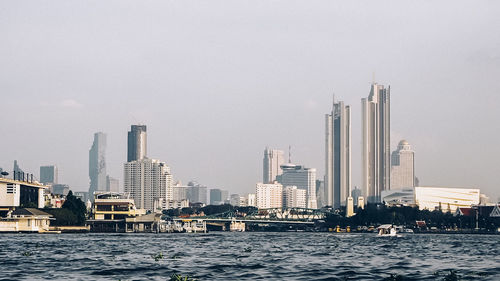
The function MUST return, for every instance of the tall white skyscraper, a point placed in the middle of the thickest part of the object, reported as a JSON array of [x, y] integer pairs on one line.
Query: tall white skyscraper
[[97, 164], [269, 195], [302, 178], [376, 149], [147, 180], [403, 166], [338, 155], [273, 159]]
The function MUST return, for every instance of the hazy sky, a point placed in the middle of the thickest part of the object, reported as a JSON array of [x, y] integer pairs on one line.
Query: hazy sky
[[218, 81]]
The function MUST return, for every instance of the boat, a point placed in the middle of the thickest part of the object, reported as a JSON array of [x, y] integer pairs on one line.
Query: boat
[[387, 230]]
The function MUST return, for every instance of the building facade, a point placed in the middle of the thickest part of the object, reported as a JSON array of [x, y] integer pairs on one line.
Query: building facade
[[48, 175], [218, 196], [302, 178], [112, 184], [375, 152], [269, 195], [294, 197], [338, 155], [197, 193], [445, 198], [403, 166], [97, 164], [273, 159], [137, 143], [146, 180]]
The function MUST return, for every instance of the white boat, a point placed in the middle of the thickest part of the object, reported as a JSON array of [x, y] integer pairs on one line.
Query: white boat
[[387, 230]]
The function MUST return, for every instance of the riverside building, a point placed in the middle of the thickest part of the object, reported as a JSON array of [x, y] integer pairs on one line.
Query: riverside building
[[375, 152], [294, 197], [337, 155], [403, 166], [269, 195]]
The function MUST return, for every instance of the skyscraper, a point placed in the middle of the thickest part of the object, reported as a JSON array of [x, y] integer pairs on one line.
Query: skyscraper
[[18, 173], [273, 159], [97, 164], [338, 155], [137, 143], [48, 174], [376, 149], [303, 178], [112, 184], [218, 196], [403, 166], [147, 180]]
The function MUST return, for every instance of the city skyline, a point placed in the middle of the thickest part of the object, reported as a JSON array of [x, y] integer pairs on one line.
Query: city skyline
[[272, 95]]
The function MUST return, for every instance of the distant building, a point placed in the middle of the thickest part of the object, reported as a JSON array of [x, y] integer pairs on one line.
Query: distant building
[[218, 196], [399, 197], [302, 178], [162, 204], [234, 200], [179, 192], [112, 184], [338, 155], [60, 189], [147, 180], [375, 151], [273, 159], [14, 193], [137, 143], [84, 196], [18, 173], [48, 175], [250, 200], [355, 194], [294, 197], [403, 166], [320, 193], [269, 195], [445, 198], [26, 220], [97, 164], [197, 193]]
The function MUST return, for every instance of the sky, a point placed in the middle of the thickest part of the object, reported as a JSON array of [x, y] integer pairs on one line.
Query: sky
[[218, 81]]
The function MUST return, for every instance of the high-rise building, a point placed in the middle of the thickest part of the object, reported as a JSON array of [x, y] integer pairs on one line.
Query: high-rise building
[[18, 173], [137, 143], [320, 193], [273, 159], [218, 196], [97, 164], [196, 193], [269, 195], [234, 200], [338, 155], [48, 175], [112, 184], [403, 166], [179, 192], [302, 178], [147, 180], [60, 189], [294, 197], [376, 148]]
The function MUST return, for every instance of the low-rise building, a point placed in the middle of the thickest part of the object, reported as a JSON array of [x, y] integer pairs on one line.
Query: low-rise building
[[269, 195], [26, 220]]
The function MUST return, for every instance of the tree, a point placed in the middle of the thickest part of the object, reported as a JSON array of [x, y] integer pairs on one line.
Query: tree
[[76, 206]]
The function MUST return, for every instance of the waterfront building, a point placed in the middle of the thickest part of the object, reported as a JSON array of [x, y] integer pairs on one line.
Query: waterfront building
[[137, 143], [16, 193], [97, 164], [302, 178], [273, 159], [445, 198], [218, 196], [376, 141], [269, 195], [161, 204], [112, 184], [114, 206], [196, 193], [399, 197], [294, 197], [26, 220], [146, 180], [48, 175], [338, 155], [403, 166]]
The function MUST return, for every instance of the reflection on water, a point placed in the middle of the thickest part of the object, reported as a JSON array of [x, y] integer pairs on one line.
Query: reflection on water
[[248, 256]]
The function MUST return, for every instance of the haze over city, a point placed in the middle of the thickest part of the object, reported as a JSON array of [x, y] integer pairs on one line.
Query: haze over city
[[216, 82]]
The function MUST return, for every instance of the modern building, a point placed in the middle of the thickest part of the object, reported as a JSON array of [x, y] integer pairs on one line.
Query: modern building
[[376, 150], [179, 192], [445, 198], [112, 184], [294, 197], [48, 175], [137, 143], [338, 155], [403, 166], [218, 196], [196, 193], [16, 193], [97, 164], [320, 193], [60, 189], [269, 195], [399, 197], [250, 200], [18, 172], [302, 178], [146, 180], [273, 159]]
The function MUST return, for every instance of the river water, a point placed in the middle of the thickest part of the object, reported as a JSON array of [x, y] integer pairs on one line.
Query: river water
[[249, 256]]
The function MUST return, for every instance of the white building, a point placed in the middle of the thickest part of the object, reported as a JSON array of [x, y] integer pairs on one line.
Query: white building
[[269, 195], [400, 196], [273, 159], [302, 178], [338, 155], [403, 166], [179, 192], [146, 180], [294, 197], [446, 198], [376, 150], [251, 200]]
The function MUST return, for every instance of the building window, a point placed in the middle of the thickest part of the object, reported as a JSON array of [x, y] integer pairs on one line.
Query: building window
[[11, 188]]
